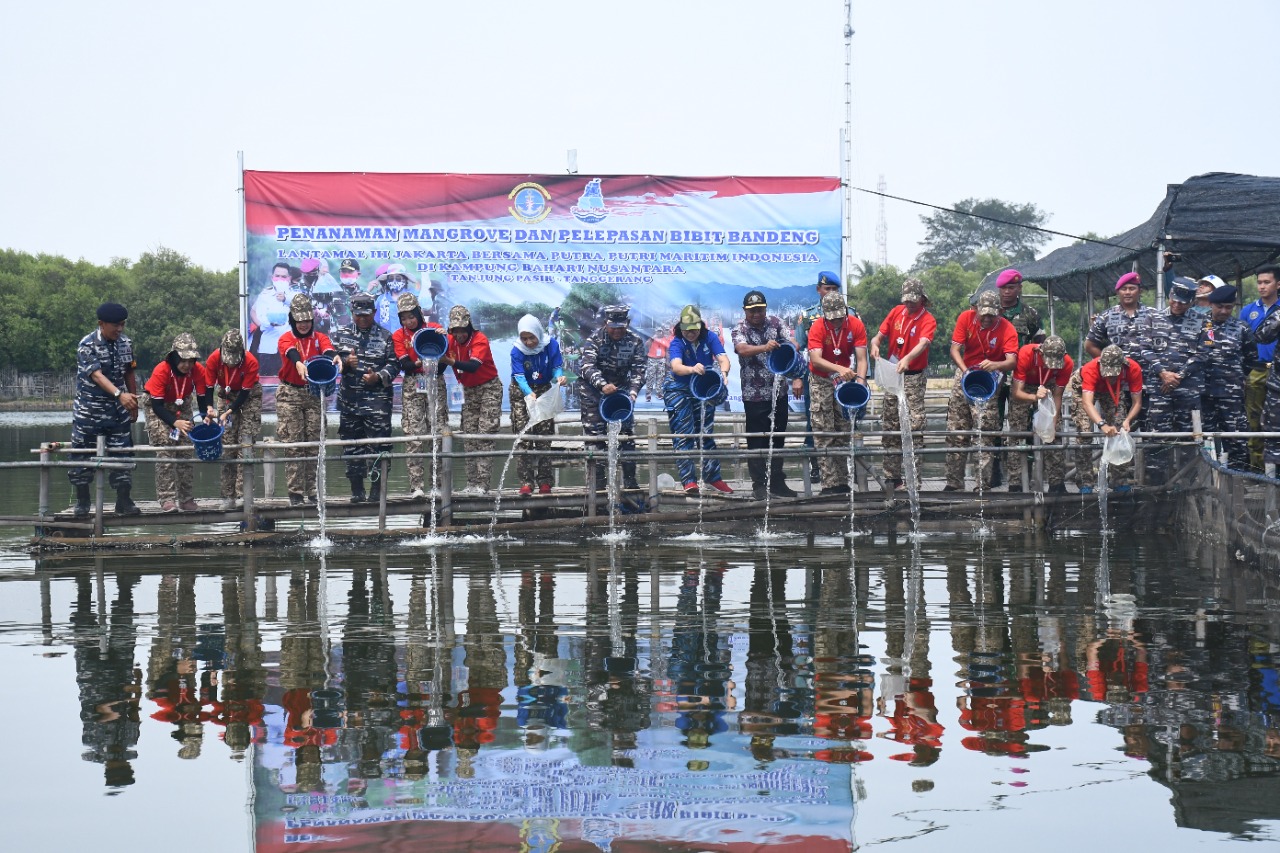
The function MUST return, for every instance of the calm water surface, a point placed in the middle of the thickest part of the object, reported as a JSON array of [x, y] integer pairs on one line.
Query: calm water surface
[[948, 694]]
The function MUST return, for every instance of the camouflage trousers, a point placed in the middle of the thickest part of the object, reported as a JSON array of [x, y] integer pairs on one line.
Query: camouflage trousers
[[481, 413], [415, 418], [655, 373], [1226, 414], [826, 415], [364, 414], [1055, 463], [963, 415], [174, 480], [1086, 441], [913, 386], [298, 419], [534, 470], [244, 428], [1255, 400], [119, 437]]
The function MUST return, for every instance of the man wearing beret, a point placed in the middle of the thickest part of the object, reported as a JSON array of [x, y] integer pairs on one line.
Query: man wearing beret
[[1230, 353], [1026, 322], [1139, 330], [106, 404]]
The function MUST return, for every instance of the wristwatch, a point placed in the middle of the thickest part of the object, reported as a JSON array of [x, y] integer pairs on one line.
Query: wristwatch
[[1102, 423], [117, 394]]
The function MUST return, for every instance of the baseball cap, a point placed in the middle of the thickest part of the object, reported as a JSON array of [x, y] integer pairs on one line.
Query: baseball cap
[[690, 318], [1111, 362], [1054, 352], [1183, 290], [754, 299], [300, 308], [185, 346], [406, 302], [362, 304], [232, 348], [988, 303], [617, 316], [834, 307], [913, 291]]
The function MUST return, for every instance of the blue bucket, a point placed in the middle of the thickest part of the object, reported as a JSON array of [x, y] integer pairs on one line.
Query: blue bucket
[[853, 396], [322, 375], [979, 385], [207, 440], [706, 386], [616, 407], [430, 343], [787, 361]]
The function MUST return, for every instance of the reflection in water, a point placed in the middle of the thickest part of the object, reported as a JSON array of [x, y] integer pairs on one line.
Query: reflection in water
[[674, 698]]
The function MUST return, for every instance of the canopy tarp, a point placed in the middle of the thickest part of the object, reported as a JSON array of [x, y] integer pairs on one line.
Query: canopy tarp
[[1218, 223]]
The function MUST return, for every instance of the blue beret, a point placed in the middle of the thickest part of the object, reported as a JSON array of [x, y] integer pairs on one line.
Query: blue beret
[[1222, 295], [112, 312], [827, 277]]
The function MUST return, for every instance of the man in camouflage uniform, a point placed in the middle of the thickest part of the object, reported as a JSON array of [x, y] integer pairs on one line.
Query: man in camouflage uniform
[[828, 282], [1110, 389], [106, 404], [613, 359], [1268, 333], [423, 385], [1142, 333], [982, 340], [910, 329], [1026, 322], [369, 371], [1171, 401], [1230, 353]]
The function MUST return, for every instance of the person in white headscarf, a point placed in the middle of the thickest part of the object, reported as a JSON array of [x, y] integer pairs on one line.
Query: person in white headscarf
[[537, 368]]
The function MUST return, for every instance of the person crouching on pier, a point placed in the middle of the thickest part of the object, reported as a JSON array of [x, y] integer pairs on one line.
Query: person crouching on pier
[[536, 369], [910, 329], [1110, 399], [1043, 371], [694, 350], [170, 419], [982, 340], [419, 387], [473, 366], [233, 373], [297, 409]]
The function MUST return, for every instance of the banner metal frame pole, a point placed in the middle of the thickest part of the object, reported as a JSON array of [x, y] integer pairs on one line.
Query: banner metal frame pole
[[243, 299]]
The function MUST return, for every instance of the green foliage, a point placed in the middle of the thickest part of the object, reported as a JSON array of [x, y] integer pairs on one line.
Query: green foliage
[[499, 320], [953, 237], [583, 302], [48, 303]]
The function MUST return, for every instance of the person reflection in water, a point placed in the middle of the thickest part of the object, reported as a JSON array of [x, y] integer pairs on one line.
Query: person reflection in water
[[480, 705], [844, 687], [618, 697], [699, 665], [109, 680], [771, 706]]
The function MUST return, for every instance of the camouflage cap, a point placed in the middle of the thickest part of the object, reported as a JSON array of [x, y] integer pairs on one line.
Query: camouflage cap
[[232, 348], [616, 316], [1112, 361], [406, 302], [913, 291], [988, 304], [362, 305], [1054, 352], [834, 307], [300, 308], [185, 346], [690, 318], [459, 317]]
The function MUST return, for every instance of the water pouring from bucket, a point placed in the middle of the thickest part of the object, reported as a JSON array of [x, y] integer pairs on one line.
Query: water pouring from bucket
[[980, 385], [430, 343], [322, 376], [616, 407], [853, 396], [787, 361], [706, 387]]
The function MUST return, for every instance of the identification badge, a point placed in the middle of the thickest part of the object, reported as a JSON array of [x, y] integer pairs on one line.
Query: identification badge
[[420, 383]]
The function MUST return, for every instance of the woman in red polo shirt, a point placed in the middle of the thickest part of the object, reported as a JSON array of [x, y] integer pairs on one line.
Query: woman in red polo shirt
[[473, 366], [297, 409], [234, 373], [910, 329], [170, 390]]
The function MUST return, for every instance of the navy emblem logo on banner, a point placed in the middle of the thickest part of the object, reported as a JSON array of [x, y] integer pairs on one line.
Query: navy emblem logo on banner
[[530, 202], [590, 207]]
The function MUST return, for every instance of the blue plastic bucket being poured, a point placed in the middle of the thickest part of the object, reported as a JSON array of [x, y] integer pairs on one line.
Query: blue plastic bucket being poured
[[615, 407], [787, 361], [322, 375], [430, 343], [979, 385], [706, 386], [207, 440], [853, 396]]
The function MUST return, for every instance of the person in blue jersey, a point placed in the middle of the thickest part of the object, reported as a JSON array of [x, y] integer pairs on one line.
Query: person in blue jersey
[[537, 368], [695, 350]]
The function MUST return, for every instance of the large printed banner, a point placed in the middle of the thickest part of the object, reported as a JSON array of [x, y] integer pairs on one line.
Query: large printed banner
[[558, 247]]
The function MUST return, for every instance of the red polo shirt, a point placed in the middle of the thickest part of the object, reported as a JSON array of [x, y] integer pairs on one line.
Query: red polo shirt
[[826, 337], [1091, 379], [232, 379], [1030, 369], [980, 344], [314, 344], [904, 331], [167, 384], [477, 347], [402, 340]]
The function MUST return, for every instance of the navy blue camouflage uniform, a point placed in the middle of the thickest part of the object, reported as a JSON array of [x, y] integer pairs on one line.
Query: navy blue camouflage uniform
[[1144, 337], [1171, 410], [608, 362], [364, 411], [96, 412], [1268, 332], [1231, 351]]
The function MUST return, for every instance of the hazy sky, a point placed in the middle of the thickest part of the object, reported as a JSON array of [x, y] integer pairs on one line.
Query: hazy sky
[[125, 118]]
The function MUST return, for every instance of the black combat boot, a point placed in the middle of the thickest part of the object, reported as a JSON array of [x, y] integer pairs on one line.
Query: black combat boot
[[83, 504], [357, 490], [629, 480], [375, 491], [124, 503]]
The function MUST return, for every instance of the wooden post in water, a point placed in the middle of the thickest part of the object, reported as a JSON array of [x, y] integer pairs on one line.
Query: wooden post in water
[[246, 458], [43, 506], [859, 468], [589, 477], [805, 470], [268, 472], [737, 451], [445, 461], [654, 495], [99, 478], [382, 494]]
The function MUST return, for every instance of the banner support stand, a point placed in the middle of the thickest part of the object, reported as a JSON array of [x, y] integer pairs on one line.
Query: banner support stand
[[243, 299]]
